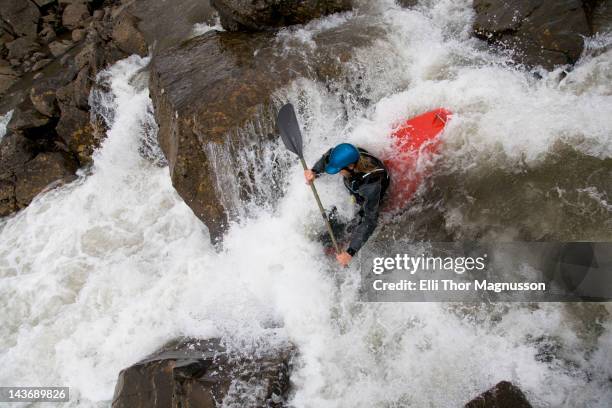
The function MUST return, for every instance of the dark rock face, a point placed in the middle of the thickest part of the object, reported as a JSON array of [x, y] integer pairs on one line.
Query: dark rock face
[[21, 16], [41, 172], [127, 37], [503, 395], [50, 132], [50, 54], [542, 32], [164, 26], [247, 15], [208, 90], [201, 373]]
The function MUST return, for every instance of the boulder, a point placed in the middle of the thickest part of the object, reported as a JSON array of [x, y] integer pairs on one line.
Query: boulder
[[8, 76], [59, 48], [21, 16], [7, 198], [127, 36], [247, 15], [77, 35], [22, 47], [40, 173], [28, 120], [42, 95], [545, 33], [503, 395], [25, 171], [203, 374], [75, 129], [164, 26], [74, 14], [43, 3], [213, 101]]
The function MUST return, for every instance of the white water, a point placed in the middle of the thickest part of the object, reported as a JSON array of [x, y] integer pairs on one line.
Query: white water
[[96, 275], [4, 120]]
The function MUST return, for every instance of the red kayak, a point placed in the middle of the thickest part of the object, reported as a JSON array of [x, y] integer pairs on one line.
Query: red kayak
[[413, 139]]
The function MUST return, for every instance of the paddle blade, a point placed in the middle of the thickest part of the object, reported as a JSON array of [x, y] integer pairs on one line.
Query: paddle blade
[[290, 129]]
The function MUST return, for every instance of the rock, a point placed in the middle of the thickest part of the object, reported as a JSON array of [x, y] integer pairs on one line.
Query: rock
[[22, 47], [503, 395], [203, 374], [59, 48], [47, 34], [21, 15], [75, 129], [74, 14], [246, 15], [8, 204], [167, 26], [40, 173], [41, 64], [98, 14], [28, 120], [542, 32], [77, 35], [209, 89], [407, 3], [43, 98], [43, 3], [127, 37], [15, 151], [8, 76]]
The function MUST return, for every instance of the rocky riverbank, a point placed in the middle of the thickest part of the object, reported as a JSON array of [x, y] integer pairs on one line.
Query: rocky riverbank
[[215, 97]]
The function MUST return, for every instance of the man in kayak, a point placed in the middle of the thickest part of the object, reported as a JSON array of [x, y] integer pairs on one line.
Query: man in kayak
[[366, 179]]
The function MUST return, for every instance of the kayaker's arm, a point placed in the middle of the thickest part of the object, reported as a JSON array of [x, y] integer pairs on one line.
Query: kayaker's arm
[[363, 231]]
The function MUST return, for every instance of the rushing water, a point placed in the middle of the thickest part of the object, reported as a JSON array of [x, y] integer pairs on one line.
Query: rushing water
[[97, 274]]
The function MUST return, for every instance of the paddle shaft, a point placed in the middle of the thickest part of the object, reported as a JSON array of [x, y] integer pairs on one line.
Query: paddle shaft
[[327, 224]]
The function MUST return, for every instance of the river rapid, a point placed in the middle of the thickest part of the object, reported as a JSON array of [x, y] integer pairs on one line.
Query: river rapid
[[99, 273]]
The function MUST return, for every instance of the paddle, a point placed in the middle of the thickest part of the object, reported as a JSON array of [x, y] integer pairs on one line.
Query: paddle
[[292, 138]]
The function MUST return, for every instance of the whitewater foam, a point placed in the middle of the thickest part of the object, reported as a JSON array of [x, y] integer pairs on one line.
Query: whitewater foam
[[97, 274]]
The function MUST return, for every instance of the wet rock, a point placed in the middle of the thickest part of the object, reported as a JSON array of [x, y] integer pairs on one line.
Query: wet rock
[[244, 15], [47, 34], [503, 395], [43, 3], [8, 204], [21, 48], [27, 119], [8, 76], [74, 14], [41, 64], [41, 173], [127, 37], [209, 91], [541, 32], [43, 99], [75, 129], [200, 106], [25, 171], [59, 48], [407, 3], [202, 373], [21, 16], [164, 26], [77, 35]]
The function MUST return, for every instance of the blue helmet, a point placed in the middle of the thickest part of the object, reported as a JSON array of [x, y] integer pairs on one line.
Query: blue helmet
[[340, 157]]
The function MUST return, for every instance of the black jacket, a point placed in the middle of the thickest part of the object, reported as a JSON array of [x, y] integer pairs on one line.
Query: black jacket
[[368, 190]]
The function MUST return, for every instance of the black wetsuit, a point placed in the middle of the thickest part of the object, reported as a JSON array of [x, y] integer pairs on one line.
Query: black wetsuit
[[368, 190]]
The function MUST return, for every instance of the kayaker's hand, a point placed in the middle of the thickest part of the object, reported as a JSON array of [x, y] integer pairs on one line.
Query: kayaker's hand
[[309, 175], [344, 258]]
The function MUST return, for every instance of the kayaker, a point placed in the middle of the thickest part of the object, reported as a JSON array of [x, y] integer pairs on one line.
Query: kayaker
[[366, 179]]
